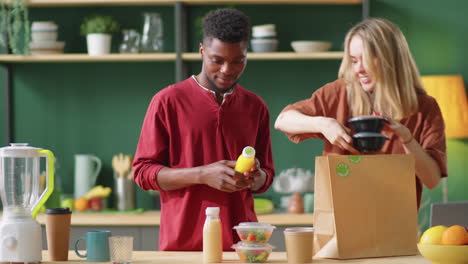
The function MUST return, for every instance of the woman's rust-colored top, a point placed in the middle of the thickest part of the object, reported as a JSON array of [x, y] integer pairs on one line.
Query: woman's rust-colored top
[[426, 125]]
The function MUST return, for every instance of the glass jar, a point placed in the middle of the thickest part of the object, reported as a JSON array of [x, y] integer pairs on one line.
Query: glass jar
[[152, 38], [130, 42]]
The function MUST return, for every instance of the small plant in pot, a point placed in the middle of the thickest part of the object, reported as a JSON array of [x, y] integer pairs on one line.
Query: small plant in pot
[[98, 30]]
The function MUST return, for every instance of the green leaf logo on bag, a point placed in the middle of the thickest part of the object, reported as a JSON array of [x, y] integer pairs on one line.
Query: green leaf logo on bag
[[355, 158], [343, 169]]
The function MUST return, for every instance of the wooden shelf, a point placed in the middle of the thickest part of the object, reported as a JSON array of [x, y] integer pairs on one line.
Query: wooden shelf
[[86, 58], [142, 57], [63, 3], [273, 2], [331, 55]]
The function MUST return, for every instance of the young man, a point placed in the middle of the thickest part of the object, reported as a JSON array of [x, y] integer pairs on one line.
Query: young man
[[194, 131]]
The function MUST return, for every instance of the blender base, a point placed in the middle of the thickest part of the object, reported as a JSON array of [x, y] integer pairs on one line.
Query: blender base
[[20, 240]]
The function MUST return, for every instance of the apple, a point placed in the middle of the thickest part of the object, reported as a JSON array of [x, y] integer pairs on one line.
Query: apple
[[96, 204], [67, 202]]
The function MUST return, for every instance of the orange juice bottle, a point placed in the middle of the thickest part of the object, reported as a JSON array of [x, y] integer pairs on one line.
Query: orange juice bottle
[[246, 160]]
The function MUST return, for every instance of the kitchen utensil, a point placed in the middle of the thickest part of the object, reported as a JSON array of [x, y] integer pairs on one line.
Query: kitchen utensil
[[368, 142], [125, 193], [367, 123], [264, 45], [299, 244], [310, 46], [254, 231], [152, 38], [121, 248], [130, 42], [20, 233], [442, 254], [97, 246], [296, 204], [58, 233], [253, 252], [121, 164], [87, 168]]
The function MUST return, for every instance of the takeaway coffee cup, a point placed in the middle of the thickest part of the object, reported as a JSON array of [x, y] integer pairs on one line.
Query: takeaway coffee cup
[[299, 244], [97, 246], [58, 232]]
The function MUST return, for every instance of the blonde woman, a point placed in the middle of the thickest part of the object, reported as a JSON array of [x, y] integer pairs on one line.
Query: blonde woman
[[378, 76]]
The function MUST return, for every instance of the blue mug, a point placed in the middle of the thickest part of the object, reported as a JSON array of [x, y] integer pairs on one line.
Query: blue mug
[[97, 246]]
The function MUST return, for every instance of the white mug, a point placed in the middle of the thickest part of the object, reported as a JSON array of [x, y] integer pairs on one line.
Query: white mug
[[87, 168]]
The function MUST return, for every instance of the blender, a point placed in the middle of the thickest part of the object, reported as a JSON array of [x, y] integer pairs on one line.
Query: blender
[[20, 233]]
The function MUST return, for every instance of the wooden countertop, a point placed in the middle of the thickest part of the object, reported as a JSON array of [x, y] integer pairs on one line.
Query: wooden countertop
[[173, 257], [151, 218]]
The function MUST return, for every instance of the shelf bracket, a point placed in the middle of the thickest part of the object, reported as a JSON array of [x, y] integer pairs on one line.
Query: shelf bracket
[[365, 9], [180, 16], [6, 72]]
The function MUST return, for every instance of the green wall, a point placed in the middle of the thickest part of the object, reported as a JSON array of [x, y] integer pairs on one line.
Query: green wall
[[437, 33], [98, 108]]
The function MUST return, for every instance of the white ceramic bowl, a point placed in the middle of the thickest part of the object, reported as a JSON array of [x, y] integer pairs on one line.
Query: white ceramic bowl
[[264, 31], [310, 46], [264, 45], [44, 31]]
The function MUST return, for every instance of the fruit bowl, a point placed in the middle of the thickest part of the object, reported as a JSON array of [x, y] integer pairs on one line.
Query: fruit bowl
[[440, 254], [254, 232], [253, 252]]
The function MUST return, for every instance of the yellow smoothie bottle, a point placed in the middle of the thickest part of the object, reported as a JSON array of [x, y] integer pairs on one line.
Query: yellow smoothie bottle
[[246, 160]]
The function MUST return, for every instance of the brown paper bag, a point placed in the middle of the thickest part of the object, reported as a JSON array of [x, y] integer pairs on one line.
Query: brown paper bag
[[365, 206]]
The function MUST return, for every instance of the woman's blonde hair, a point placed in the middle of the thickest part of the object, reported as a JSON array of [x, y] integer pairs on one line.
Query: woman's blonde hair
[[388, 60]]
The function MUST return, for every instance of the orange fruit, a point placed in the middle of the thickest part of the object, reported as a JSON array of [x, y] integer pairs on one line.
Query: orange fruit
[[81, 204], [433, 235], [455, 235]]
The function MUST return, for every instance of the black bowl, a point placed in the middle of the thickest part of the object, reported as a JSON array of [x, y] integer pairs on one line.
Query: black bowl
[[367, 142], [367, 123]]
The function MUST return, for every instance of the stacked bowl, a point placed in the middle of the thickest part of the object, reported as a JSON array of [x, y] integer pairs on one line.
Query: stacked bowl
[[264, 38], [253, 247], [368, 138], [44, 38]]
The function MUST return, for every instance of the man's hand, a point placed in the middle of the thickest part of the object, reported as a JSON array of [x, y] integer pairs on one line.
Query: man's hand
[[256, 177], [221, 176]]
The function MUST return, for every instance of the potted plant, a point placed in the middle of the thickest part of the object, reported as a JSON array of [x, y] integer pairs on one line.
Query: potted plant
[[14, 26], [98, 30]]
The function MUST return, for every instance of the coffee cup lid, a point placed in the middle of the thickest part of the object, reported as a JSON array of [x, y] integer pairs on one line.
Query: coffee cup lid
[[59, 210], [298, 230]]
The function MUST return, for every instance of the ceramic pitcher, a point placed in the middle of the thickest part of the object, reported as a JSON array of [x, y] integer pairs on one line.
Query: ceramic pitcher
[[87, 168]]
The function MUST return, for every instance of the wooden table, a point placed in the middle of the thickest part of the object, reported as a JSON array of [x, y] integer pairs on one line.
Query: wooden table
[[175, 257]]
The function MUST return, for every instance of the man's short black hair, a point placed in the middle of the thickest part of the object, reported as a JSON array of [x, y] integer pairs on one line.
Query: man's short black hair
[[228, 25]]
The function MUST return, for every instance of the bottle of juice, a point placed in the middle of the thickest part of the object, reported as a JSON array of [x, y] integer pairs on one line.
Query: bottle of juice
[[212, 236], [246, 160]]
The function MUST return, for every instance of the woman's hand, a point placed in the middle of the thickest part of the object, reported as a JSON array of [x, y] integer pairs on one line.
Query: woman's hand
[[338, 135], [403, 133]]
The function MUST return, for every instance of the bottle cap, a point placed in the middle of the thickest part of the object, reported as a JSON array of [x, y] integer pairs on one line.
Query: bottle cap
[[212, 211], [248, 152], [60, 210]]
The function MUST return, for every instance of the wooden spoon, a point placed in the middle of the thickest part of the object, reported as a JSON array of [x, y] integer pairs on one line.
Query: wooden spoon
[[121, 164]]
